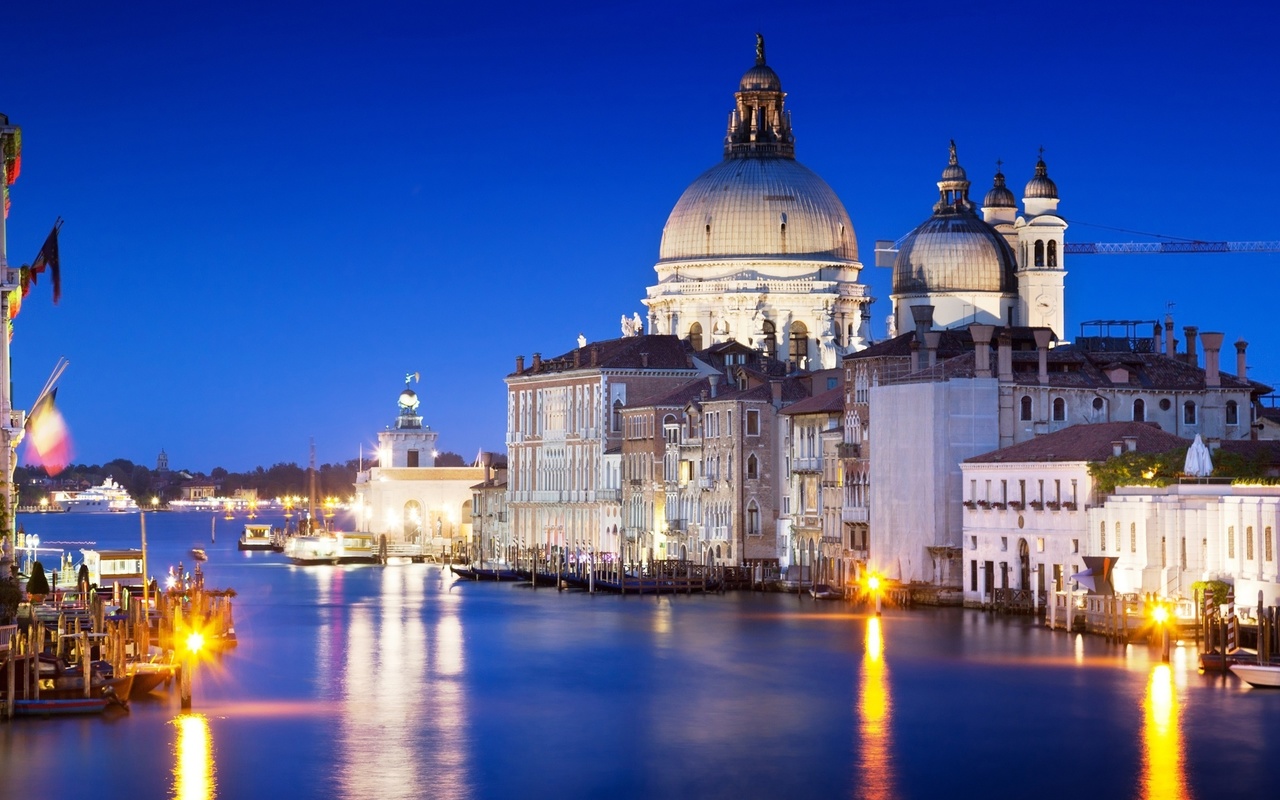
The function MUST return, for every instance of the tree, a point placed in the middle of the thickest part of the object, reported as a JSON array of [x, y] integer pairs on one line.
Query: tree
[[450, 459], [38, 583], [10, 597]]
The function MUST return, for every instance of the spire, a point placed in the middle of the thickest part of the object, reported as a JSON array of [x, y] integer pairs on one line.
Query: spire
[[758, 125]]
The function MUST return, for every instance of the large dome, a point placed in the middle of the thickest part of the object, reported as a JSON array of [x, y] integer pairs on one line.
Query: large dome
[[759, 207], [954, 252]]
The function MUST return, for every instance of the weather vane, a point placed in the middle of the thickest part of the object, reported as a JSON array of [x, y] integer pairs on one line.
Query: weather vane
[[412, 376]]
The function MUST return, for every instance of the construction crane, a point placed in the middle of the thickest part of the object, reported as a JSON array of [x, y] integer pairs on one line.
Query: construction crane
[[886, 250], [1121, 248]]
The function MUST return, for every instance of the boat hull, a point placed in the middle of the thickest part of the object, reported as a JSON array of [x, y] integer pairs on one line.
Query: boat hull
[[59, 708], [1259, 675]]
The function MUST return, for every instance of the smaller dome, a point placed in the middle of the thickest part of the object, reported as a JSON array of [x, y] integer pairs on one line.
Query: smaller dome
[[1000, 196], [1041, 185], [953, 171], [760, 78]]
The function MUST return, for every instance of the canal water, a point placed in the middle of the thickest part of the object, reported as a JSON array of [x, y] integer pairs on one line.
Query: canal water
[[400, 682]]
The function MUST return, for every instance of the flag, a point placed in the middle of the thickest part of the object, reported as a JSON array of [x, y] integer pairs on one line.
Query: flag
[[48, 257], [48, 441]]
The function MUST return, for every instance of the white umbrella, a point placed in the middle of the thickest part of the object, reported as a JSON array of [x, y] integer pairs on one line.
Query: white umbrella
[[1199, 464]]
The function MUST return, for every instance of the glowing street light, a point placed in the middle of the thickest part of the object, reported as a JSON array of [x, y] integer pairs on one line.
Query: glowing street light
[[873, 586], [1160, 615]]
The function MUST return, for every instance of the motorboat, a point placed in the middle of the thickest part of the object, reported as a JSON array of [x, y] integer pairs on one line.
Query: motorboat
[[199, 554], [1259, 675]]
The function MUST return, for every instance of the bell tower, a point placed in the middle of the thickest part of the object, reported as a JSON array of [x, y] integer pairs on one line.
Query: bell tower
[[1041, 235]]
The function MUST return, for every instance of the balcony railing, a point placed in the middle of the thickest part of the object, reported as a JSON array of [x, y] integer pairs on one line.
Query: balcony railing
[[608, 495], [807, 464], [855, 514]]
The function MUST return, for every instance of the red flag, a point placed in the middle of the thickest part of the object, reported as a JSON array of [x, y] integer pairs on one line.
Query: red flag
[[48, 441], [48, 257]]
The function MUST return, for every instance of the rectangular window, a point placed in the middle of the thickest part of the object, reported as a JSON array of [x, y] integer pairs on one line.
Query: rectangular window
[[1022, 492], [1248, 543], [1102, 537], [1182, 555], [1004, 543], [753, 422], [1004, 491], [973, 542], [973, 576], [1133, 537], [1266, 543], [1162, 552], [1231, 541], [1075, 548]]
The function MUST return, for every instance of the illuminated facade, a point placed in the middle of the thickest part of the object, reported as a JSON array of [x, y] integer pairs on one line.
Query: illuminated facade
[[408, 498]]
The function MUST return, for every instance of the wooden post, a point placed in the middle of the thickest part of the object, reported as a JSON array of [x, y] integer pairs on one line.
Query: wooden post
[[10, 683]]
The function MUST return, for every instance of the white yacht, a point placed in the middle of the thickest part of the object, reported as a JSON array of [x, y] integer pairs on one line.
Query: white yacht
[[108, 497]]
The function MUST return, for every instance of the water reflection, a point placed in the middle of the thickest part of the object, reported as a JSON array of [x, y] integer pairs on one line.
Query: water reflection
[[403, 727], [1163, 762], [875, 767], [193, 774]]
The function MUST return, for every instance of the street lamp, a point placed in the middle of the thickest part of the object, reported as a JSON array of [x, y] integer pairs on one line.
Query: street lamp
[[1161, 617], [873, 585]]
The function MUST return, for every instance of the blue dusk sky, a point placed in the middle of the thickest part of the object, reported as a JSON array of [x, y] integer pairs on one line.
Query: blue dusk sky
[[274, 211]]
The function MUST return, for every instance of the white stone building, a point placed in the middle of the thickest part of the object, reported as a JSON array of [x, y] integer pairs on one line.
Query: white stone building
[[1027, 508], [408, 498], [759, 249]]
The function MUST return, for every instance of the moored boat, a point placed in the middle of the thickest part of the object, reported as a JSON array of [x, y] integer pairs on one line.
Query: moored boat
[[46, 707], [256, 537], [1259, 675]]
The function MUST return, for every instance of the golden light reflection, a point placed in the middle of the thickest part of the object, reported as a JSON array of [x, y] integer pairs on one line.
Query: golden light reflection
[[875, 766], [193, 773], [1163, 765]]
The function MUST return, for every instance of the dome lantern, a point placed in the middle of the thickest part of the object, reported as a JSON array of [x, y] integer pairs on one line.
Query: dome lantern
[[1041, 186], [758, 125]]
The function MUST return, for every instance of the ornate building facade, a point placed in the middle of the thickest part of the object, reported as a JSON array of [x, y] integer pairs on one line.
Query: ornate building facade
[[759, 249]]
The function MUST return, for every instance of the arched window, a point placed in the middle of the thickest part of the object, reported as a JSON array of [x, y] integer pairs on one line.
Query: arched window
[[753, 519], [1133, 537], [848, 339], [753, 466], [1039, 253], [695, 336], [1026, 408], [799, 353], [1189, 413], [1053, 253], [412, 520], [1233, 413], [1139, 410], [1059, 409], [769, 338]]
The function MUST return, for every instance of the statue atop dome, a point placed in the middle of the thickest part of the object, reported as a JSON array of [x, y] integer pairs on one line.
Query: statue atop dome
[[759, 49]]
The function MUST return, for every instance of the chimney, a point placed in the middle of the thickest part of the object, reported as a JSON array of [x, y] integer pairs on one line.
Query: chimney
[[537, 361], [923, 315], [1117, 448], [1212, 358], [1155, 339], [519, 363], [486, 460], [577, 358], [982, 349], [715, 382], [1004, 357], [931, 340], [1242, 371], [1170, 346], [644, 361], [595, 356], [775, 387], [1043, 337], [915, 355], [1130, 444], [1190, 332]]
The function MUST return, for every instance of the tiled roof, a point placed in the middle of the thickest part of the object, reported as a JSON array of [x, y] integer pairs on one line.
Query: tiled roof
[[1084, 443], [663, 352], [829, 401], [676, 397], [1266, 450]]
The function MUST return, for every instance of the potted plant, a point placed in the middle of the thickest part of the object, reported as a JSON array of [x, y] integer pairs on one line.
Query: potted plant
[[1069, 505], [985, 503], [37, 584], [970, 504], [1053, 505], [1016, 505], [998, 505], [1038, 505]]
